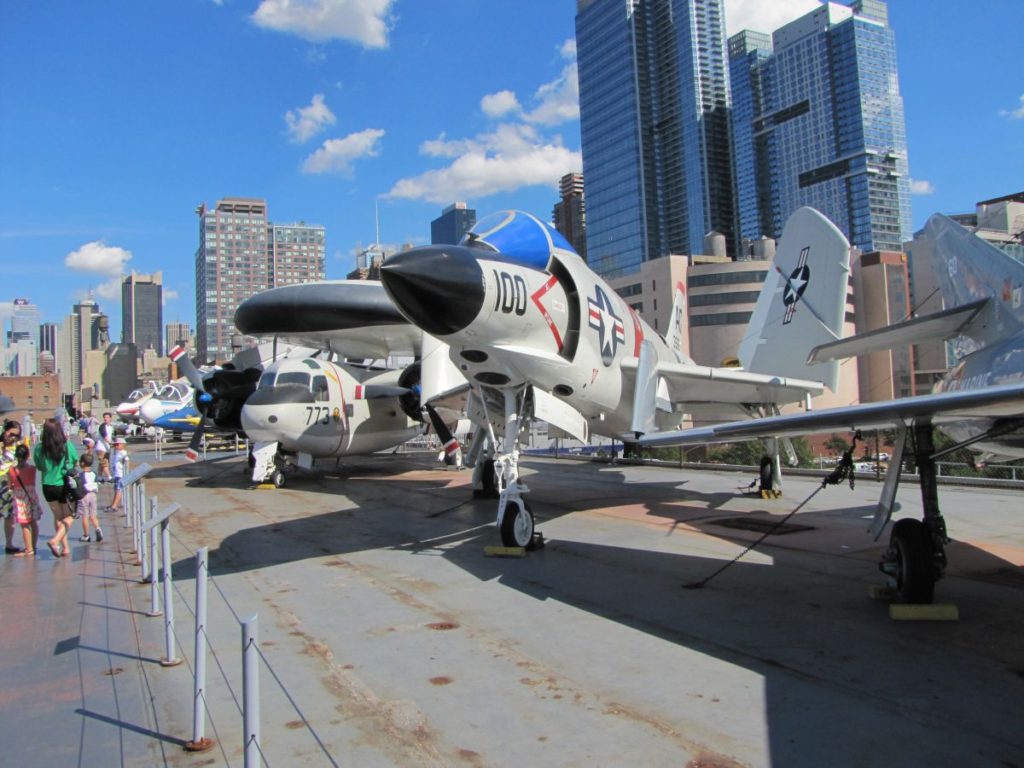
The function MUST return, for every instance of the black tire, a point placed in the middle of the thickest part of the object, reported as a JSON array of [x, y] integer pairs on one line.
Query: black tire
[[277, 478], [765, 473], [915, 577], [488, 481], [516, 526]]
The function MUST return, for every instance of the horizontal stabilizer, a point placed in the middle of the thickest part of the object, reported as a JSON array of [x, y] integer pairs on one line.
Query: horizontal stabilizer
[[689, 383], [941, 325]]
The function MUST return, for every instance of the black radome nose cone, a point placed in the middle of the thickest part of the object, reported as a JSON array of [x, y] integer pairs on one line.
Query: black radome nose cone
[[440, 289]]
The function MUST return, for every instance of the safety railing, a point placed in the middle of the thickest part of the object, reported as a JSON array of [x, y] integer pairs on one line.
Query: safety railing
[[152, 537]]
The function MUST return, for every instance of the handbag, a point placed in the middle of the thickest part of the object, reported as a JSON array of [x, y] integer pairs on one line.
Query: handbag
[[73, 481]]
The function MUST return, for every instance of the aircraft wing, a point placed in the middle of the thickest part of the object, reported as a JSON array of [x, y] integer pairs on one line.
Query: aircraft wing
[[940, 325], [690, 384], [354, 318], [992, 402]]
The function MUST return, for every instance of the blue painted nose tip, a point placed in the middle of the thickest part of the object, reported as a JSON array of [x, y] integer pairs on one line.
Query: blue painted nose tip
[[439, 288]]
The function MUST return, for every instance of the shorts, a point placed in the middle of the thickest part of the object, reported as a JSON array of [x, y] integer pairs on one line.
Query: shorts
[[87, 505], [58, 493], [118, 484]]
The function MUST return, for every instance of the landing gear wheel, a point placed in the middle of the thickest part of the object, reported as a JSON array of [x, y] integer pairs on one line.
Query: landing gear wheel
[[517, 525], [910, 543], [765, 476], [488, 481], [277, 478]]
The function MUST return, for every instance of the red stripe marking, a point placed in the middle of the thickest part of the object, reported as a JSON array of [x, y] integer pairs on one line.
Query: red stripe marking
[[638, 332], [536, 296]]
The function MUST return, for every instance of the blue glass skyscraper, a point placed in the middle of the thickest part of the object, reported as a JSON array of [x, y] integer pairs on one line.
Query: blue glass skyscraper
[[654, 124], [825, 127]]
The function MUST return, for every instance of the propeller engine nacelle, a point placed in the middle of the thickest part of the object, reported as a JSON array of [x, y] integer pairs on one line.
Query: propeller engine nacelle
[[410, 401]]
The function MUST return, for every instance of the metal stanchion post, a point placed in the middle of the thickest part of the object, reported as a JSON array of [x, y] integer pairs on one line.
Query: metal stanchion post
[[154, 568], [199, 741], [169, 660], [251, 691]]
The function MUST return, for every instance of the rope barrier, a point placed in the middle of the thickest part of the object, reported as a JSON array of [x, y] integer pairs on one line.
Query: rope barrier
[[295, 706], [842, 471]]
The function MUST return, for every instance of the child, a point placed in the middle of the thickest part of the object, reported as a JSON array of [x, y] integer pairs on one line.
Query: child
[[118, 469], [27, 509], [87, 504]]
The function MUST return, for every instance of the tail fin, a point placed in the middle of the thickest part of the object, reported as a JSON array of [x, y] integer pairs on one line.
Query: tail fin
[[802, 303], [967, 269], [674, 334]]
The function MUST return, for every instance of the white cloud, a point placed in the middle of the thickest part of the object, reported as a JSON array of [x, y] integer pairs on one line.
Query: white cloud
[[1015, 114], [921, 187], [306, 122], [512, 157], [110, 290], [555, 102], [97, 257], [559, 100], [337, 155], [499, 104], [764, 16], [366, 22], [170, 294]]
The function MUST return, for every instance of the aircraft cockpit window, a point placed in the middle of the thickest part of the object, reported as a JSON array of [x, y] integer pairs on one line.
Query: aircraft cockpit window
[[267, 380], [293, 377], [320, 393]]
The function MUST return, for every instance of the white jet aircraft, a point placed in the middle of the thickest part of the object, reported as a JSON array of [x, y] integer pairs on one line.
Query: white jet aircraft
[[540, 335], [979, 403]]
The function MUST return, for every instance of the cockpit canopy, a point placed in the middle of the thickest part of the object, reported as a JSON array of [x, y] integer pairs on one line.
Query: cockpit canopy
[[306, 373]]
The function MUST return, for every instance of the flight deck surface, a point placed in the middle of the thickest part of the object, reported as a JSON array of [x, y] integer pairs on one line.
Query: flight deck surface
[[393, 640]]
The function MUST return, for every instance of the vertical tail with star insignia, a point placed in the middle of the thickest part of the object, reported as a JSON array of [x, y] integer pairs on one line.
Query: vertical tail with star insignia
[[802, 303]]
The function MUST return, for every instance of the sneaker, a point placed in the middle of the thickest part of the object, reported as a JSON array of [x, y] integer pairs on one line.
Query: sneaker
[[83, 538], [99, 535]]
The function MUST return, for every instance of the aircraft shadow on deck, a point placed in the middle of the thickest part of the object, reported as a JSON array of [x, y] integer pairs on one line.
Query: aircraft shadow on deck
[[825, 651]]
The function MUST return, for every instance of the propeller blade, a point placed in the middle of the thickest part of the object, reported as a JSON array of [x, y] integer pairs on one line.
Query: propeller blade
[[192, 452], [188, 368], [376, 391], [451, 445]]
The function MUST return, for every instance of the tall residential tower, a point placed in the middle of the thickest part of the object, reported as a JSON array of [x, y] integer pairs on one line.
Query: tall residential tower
[[818, 121], [654, 124], [241, 253]]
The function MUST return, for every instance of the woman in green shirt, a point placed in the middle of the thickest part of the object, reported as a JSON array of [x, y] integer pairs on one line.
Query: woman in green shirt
[[53, 456]]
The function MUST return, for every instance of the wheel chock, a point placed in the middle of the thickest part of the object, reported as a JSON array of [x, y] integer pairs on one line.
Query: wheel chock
[[923, 612], [537, 542], [505, 551], [877, 592], [266, 487]]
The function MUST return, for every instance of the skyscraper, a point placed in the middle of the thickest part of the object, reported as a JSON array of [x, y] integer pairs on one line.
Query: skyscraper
[[819, 122], [25, 322], [178, 333], [142, 311], [654, 124], [85, 330], [570, 213], [241, 253], [455, 221]]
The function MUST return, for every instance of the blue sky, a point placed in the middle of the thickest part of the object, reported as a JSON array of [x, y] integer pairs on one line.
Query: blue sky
[[118, 118]]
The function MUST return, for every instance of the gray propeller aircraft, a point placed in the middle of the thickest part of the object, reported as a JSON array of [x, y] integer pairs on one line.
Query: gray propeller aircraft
[[310, 407], [979, 403], [539, 335]]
